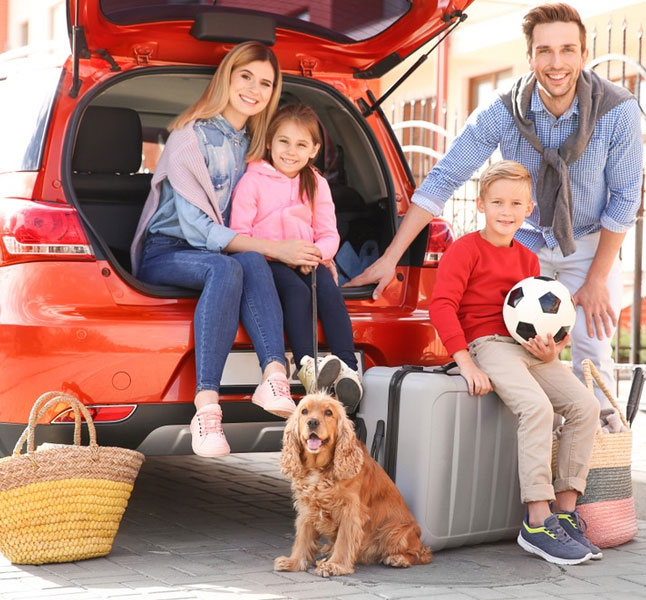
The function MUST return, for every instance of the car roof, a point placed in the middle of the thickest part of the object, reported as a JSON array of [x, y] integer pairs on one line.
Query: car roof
[[361, 37]]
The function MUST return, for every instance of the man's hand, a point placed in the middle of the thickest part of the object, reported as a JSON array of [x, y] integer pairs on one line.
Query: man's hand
[[545, 352], [593, 297], [382, 272]]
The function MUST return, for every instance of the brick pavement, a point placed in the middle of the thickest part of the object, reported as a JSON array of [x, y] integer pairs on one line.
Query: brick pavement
[[210, 529]]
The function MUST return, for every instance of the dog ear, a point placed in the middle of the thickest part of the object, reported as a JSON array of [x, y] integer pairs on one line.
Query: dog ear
[[290, 458], [348, 456]]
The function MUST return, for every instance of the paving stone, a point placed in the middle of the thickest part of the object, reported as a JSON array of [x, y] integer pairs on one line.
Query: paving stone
[[300, 576], [268, 579], [173, 596], [205, 529], [396, 591], [583, 596], [485, 593], [634, 578], [146, 586], [359, 596], [527, 591], [12, 575], [422, 593], [620, 595], [24, 594], [325, 590], [618, 584], [567, 584], [541, 597]]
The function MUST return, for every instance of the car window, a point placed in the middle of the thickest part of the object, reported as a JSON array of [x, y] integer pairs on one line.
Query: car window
[[154, 140], [25, 103], [350, 21]]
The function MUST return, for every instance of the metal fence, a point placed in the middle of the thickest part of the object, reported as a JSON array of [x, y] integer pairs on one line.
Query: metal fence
[[426, 129]]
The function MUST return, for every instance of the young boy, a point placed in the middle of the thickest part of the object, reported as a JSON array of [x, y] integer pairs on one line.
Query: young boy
[[473, 279]]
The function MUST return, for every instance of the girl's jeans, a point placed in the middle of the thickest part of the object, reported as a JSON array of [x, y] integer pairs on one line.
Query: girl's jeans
[[236, 287], [295, 291]]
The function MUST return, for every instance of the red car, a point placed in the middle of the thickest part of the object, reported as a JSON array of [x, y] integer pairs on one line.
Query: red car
[[80, 143]]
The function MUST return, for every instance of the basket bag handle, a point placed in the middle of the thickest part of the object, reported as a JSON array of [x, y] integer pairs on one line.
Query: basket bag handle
[[41, 406], [589, 373]]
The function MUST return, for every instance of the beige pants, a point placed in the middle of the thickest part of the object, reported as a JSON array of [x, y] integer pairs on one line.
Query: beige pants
[[534, 391]]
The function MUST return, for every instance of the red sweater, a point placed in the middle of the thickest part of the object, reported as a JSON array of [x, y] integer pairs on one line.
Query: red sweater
[[473, 279]]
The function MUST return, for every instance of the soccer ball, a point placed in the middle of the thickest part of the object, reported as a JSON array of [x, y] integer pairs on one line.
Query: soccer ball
[[538, 306]]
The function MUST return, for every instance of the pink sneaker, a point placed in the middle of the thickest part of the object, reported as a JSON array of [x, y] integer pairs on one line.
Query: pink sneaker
[[206, 430], [273, 395]]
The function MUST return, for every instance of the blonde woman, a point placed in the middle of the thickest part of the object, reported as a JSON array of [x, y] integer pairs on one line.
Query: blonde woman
[[183, 238]]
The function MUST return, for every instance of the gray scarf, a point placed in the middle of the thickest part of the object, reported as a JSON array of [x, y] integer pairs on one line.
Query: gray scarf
[[553, 193]]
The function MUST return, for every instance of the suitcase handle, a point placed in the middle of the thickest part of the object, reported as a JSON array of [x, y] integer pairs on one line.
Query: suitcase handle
[[360, 429], [446, 369], [394, 391], [635, 394], [392, 434], [378, 439]]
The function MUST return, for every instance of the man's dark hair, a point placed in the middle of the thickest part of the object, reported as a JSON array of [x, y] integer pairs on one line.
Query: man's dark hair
[[551, 13]]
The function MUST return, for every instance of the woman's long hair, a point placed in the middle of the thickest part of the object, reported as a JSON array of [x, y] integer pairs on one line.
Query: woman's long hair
[[216, 96], [304, 116]]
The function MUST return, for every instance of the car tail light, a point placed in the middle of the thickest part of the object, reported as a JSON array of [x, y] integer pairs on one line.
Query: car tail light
[[440, 237], [110, 413], [32, 231]]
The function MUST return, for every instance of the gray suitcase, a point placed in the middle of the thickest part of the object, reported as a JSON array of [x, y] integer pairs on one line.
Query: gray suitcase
[[452, 456]]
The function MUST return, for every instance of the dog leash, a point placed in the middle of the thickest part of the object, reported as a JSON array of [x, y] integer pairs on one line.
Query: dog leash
[[315, 331]]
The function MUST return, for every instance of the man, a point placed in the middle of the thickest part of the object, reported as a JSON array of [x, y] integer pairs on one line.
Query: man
[[580, 138]]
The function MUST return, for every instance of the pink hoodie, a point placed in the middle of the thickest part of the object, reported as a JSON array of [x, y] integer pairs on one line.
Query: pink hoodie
[[266, 204]]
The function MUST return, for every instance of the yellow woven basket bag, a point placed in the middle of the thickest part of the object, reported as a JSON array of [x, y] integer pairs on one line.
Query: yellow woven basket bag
[[63, 503]]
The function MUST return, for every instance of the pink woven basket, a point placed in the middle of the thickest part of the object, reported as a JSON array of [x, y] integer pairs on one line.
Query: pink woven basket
[[608, 506], [611, 522]]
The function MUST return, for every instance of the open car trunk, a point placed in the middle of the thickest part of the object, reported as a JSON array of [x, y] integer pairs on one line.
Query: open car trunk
[[122, 132]]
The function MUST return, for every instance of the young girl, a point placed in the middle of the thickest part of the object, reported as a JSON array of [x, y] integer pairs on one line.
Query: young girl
[[183, 238], [281, 197]]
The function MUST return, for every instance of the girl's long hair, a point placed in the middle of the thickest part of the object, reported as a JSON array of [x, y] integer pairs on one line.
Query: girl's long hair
[[304, 116], [216, 95]]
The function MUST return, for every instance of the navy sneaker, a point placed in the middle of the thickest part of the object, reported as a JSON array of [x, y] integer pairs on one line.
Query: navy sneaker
[[551, 542], [575, 527]]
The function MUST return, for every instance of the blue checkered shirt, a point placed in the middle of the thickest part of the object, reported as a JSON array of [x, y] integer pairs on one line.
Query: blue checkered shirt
[[605, 181]]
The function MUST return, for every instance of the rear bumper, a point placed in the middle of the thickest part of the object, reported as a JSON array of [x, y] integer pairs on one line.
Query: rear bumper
[[163, 429]]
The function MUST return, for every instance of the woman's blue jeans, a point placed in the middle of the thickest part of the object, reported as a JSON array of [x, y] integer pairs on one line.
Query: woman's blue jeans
[[235, 287]]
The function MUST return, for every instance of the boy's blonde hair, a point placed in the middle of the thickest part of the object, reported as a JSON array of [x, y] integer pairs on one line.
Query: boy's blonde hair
[[216, 96], [505, 169]]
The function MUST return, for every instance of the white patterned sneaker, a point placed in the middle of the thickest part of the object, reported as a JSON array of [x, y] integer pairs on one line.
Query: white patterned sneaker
[[348, 388], [329, 368], [273, 395], [206, 431]]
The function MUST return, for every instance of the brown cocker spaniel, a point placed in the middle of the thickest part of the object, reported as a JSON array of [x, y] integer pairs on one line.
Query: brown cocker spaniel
[[342, 494]]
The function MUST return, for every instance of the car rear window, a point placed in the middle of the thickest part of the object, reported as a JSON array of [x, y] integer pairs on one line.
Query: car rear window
[[340, 20], [25, 104]]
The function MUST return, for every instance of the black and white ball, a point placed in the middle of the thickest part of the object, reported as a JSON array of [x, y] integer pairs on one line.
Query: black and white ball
[[538, 306]]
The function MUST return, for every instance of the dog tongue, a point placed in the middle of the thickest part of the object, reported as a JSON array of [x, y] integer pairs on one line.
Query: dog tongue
[[314, 443]]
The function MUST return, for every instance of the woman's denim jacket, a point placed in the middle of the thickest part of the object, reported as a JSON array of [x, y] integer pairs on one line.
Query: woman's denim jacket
[[224, 150]]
